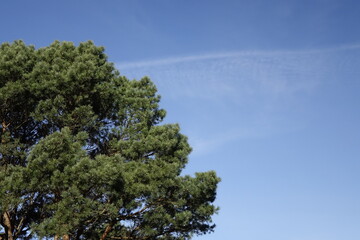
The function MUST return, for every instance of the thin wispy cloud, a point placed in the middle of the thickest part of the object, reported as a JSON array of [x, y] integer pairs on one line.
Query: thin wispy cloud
[[255, 85], [172, 60], [244, 74]]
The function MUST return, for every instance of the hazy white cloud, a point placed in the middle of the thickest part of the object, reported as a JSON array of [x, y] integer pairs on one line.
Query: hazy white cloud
[[173, 60], [242, 75], [259, 86]]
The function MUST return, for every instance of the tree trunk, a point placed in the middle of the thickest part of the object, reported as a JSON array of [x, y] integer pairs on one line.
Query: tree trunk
[[7, 225], [5, 218], [66, 237]]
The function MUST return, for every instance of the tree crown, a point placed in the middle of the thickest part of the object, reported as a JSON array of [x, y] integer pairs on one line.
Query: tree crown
[[83, 153]]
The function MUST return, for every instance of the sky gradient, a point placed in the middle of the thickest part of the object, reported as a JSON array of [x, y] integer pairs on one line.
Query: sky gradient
[[268, 93]]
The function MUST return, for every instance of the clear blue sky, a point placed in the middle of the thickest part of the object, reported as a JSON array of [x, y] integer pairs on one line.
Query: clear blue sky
[[268, 93]]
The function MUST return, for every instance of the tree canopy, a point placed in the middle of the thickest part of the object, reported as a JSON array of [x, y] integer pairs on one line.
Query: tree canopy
[[84, 155]]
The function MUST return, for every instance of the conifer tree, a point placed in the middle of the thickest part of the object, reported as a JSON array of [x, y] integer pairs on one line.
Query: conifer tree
[[84, 155]]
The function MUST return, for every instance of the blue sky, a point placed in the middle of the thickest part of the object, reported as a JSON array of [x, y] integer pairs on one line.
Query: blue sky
[[266, 91]]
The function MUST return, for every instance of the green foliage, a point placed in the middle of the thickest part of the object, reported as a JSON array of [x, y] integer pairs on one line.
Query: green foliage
[[83, 154]]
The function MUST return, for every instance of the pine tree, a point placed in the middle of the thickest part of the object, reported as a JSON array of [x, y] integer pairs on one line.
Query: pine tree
[[84, 155]]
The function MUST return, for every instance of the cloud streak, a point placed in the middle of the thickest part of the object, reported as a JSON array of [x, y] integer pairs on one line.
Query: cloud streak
[[260, 88], [240, 75], [173, 60]]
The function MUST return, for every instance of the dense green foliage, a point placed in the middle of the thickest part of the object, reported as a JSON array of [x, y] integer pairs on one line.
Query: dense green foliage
[[83, 154]]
